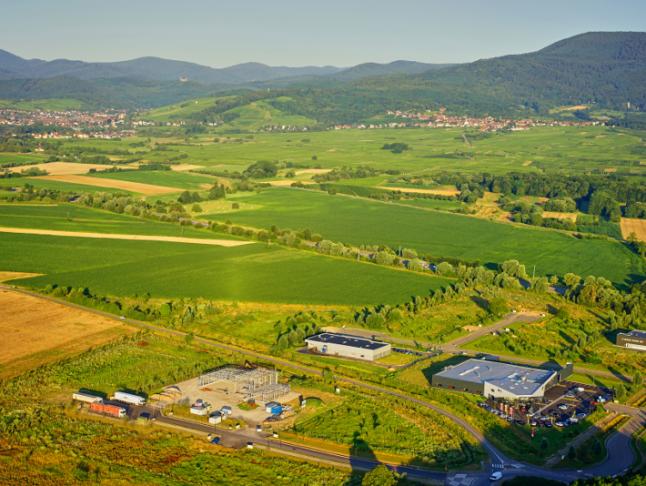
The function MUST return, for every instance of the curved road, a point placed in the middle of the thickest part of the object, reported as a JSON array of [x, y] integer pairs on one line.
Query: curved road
[[620, 452]]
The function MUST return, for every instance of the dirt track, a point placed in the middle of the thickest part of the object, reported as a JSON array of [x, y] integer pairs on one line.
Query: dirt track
[[115, 236], [6, 276], [138, 187]]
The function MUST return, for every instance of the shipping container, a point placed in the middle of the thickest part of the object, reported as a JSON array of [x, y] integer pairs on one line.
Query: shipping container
[[86, 397], [129, 398], [107, 409]]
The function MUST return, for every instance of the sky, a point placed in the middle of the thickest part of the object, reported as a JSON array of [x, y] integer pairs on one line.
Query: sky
[[289, 32]]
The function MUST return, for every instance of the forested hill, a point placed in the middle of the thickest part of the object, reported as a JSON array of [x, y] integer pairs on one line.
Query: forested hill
[[605, 68]]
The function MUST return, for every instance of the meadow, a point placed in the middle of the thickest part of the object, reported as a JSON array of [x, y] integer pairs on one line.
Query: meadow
[[361, 221], [255, 273], [366, 427]]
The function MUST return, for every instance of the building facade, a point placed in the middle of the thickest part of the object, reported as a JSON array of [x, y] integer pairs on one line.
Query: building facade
[[632, 340], [494, 379], [333, 344]]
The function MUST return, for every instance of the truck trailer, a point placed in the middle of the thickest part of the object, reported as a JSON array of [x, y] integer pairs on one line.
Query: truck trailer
[[129, 398], [107, 409], [86, 397]]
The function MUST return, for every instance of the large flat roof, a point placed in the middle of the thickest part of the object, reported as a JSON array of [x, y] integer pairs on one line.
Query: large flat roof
[[346, 340], [520, 380]]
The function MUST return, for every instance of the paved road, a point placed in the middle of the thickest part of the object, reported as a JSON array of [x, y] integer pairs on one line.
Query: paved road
[[620, 453], [506, 321]]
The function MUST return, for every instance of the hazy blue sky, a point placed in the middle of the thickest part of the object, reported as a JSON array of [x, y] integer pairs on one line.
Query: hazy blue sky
[[291, 32]]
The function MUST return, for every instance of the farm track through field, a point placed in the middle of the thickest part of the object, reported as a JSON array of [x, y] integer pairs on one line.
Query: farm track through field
[[138, 187], [618, 456], [115, 236]]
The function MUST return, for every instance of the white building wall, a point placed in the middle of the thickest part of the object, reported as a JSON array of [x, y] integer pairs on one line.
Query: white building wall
[[349, 351]]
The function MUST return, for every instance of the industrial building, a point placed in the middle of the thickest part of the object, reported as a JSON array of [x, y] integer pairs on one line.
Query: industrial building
[[494, 379], [250, 383], [348, 346], [633, 340]]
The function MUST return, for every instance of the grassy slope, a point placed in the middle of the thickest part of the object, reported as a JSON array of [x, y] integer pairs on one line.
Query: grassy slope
[[360, 221]]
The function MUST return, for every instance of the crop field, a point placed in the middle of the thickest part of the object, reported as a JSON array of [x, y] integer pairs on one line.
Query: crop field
[[61, 168], [361, 221], [634, 226], [167, 178], [56, 185], [248, 273], [36, 331], [71, 217], [138, 187]]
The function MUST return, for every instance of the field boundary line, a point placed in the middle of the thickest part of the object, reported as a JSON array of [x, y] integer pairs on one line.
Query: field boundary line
[[118, 236]]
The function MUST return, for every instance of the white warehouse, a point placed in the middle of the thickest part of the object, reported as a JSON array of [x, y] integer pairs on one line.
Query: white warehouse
[[348, 346]]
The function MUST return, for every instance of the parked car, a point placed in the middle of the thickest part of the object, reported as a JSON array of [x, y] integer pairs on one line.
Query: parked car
[[495, 476], [563, 406]]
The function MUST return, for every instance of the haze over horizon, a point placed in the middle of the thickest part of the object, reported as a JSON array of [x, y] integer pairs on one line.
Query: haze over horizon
[[336, 33]]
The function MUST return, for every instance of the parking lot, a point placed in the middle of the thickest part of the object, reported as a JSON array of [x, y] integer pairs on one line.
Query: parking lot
[[563, 405]]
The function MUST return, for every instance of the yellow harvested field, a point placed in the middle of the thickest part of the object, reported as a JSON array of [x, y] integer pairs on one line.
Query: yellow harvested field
[[185, 167], [138, 187], [312, 171], [287, 182], [560, 215], [6, 276], [36, 331], [444, 191], [116, 236], [62, 168], [633, 225]]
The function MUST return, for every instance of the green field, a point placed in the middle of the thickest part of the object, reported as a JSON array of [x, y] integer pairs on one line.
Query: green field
[[247, 273], [361, 221], [53, 104], [366, 427], [168, 178], [566, 149], [569, 149], [21, 159], [59, 185], [70, 217]]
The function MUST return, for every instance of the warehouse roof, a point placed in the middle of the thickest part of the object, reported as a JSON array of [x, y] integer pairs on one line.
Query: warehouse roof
[[519, 380], [345, 340]]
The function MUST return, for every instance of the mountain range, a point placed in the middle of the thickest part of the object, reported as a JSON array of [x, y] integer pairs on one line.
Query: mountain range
[[162, 70], [605, 69]]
